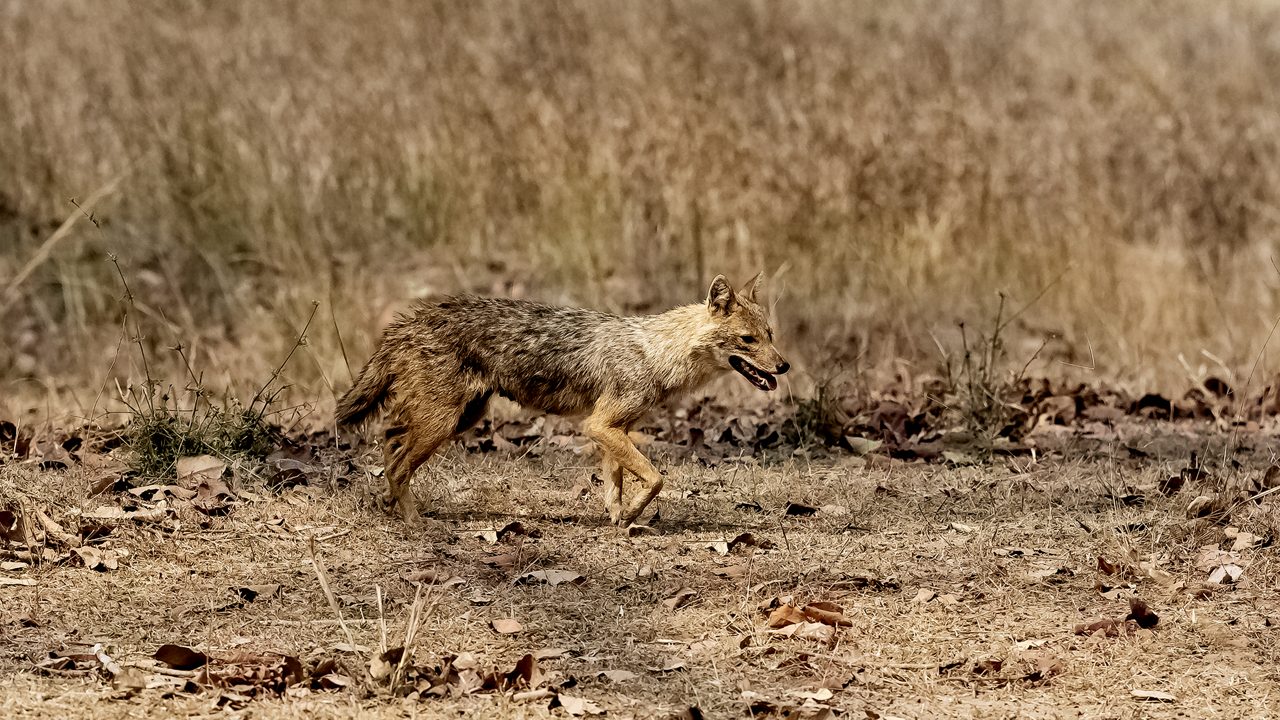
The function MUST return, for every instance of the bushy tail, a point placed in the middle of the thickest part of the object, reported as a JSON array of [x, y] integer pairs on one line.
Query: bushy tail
[[370, 391]]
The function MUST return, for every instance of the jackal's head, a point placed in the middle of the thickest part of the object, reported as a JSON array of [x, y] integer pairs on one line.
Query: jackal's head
[[740, 335]]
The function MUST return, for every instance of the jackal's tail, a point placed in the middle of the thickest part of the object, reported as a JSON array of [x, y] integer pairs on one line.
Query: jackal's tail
[[370, 391]]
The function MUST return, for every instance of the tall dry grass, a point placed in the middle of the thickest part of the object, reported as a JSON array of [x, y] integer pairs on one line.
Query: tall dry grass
[[898, 163]]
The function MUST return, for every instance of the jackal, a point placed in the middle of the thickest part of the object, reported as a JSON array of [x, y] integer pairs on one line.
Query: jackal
[[438, 365]]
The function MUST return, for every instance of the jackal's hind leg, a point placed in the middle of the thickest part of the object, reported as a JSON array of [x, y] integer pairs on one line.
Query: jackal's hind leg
[[612, 487], [396, 445], [411, 438]]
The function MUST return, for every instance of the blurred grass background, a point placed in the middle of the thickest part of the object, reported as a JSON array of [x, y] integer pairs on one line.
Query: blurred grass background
[[1114, 167]]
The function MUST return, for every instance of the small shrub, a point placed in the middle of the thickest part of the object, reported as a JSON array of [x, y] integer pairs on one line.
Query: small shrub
[[158, 437], [981, 390]]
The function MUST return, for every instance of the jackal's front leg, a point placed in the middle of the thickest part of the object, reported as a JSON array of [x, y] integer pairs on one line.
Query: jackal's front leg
[[615, 445]]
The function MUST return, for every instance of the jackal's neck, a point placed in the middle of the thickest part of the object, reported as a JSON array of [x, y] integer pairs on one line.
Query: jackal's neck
[[675, 345]]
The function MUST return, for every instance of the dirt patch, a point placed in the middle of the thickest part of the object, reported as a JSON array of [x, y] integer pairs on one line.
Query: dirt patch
[[907, 590]]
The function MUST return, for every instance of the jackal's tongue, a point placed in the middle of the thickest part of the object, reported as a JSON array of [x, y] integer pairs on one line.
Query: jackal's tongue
[[756, 376]]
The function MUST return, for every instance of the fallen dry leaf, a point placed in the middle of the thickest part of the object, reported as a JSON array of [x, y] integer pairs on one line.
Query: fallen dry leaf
[[1120, 592], [733, 571], [808, 631], [179, 657], [1172, 484], [1223, 566], [249, 593], [155, 493], [576, 706], [987, 666], [1108, 627], [827, 613], [114, 513], [1107, 567], [12, 526], [288, 473], [799, 509], [382, 665], [747, 539], [99, 559], [505, 561], [1043, 665], [1207, 506], [1242, 540], [924, 595], [550, 577], [20, 582], [506, 626], [525, 674], [1054, 575], [680, 598], [1140, 613], [515, 527], [1211, 557], [784, 615], [1160, 576], [617, 676], [333, 681], [55, 531], [861, 445], [213, 496], [1225, 574], [193, 469]]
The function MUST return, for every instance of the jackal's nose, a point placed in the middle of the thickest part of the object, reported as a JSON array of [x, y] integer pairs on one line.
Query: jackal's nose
[[783, 367]]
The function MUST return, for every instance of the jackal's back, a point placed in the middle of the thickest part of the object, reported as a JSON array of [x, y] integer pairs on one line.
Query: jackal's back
[[544, 357]]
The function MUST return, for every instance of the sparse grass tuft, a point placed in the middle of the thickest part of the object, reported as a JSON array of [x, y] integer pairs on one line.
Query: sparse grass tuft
[[981, 387], [819, 419], [166, 424], [159, 438]]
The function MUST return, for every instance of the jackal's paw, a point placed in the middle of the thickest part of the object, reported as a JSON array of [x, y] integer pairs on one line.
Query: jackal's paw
[[408, 511], [636, 530]]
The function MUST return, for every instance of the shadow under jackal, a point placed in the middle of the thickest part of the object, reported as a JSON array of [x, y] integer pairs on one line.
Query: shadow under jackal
[[437, 367]]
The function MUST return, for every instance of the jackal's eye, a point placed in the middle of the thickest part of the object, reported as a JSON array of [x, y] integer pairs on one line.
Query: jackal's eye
[[748, 339]]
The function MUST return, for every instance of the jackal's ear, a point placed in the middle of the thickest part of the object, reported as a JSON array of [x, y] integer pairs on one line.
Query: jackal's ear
[[720, 297], [754, 285]]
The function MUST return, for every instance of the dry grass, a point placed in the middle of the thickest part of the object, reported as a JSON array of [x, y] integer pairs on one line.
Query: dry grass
[[897, 162], [893, 522]]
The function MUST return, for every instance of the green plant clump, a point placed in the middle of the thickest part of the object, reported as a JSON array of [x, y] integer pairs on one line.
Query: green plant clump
[[158, 437]]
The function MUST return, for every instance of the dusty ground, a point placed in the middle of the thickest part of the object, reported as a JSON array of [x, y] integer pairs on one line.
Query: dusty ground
[[961, 587]]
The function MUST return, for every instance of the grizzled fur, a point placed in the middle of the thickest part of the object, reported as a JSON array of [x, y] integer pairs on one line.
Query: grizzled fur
[[437, 367]]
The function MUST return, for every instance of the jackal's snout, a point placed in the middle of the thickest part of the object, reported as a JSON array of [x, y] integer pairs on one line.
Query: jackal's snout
[[752, 366]]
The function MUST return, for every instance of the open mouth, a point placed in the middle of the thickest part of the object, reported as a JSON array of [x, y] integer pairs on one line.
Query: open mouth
[[755, 375]]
